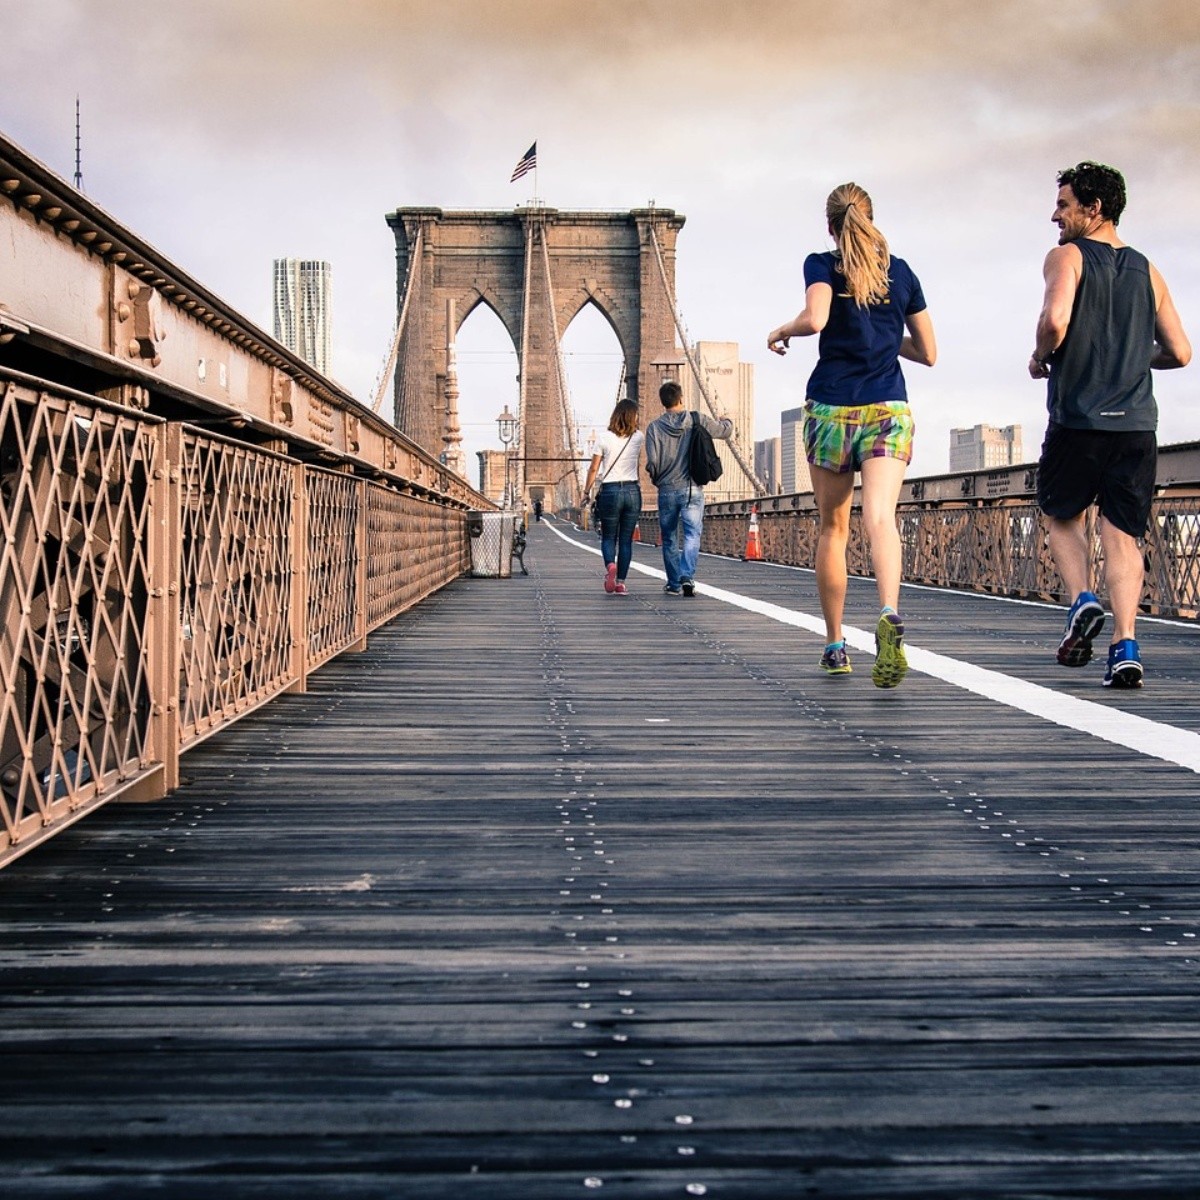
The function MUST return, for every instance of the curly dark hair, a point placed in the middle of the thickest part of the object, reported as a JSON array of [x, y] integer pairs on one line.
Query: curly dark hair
[[1092, 181]]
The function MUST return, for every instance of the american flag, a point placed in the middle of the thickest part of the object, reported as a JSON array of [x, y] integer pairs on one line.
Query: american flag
[[528, 163]]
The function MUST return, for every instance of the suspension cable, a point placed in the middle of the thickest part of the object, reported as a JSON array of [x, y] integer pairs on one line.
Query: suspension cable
[[693, 362], [410, 284]]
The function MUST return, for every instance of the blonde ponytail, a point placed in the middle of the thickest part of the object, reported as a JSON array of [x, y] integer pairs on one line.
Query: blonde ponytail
[[864, 250]]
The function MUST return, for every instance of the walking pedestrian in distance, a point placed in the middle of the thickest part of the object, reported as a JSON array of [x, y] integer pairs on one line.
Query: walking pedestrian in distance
[[620, 496], [868, 308], [1107, 320], [680, 499]]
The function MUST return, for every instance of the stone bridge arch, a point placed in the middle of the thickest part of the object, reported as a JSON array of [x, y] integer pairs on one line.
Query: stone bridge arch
[[537, 268]]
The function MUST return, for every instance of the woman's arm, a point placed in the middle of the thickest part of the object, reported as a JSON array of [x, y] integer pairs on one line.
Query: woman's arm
[[591, 475], [920, 346], [811, 319]]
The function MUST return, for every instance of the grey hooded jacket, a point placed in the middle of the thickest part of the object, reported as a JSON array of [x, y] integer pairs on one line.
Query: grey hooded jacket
[[667, 440]]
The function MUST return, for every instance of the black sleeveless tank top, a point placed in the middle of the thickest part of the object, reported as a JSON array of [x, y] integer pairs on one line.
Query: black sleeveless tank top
[[1100, 375]]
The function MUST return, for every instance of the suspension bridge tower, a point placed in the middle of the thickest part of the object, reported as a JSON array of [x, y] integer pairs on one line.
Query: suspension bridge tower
[[536, 268]]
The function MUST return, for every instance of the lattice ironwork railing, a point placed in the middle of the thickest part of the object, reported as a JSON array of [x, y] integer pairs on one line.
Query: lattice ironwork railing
[[1173, 557], [157, 582], [237, 522], [413, 548], [997, 546], [334, 513], [75, 577]]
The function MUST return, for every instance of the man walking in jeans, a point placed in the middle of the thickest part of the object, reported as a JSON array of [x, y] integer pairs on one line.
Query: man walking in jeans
[[680, 501], [1107, 320]]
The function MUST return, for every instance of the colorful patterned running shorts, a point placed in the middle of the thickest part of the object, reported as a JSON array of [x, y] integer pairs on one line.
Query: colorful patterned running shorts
[[838, 438]]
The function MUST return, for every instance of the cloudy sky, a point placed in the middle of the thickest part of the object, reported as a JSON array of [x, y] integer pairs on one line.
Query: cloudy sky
[[229, 133]]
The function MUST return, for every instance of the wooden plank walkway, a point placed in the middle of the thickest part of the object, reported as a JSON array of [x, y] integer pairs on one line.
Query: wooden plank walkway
[[552, 894]]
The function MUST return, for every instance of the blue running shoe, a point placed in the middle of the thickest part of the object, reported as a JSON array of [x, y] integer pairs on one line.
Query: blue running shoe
[[835, 660], [891, 665], [1124, 665], [1084, 621]]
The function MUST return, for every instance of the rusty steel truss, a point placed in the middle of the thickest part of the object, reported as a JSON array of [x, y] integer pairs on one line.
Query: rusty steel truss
[[193, 519]]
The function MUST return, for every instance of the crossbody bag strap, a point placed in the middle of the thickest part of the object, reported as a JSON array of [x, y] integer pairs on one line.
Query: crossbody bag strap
[[688, 451], [614, 461]]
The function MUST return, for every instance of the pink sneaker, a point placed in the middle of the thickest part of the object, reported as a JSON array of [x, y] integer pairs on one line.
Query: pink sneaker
[[621, 590], [610, 578]]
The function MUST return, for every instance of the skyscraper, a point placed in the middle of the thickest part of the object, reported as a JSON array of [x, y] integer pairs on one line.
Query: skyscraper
[[796, 476], [768, 464], [302, 296], [730, 385], [985, 446]]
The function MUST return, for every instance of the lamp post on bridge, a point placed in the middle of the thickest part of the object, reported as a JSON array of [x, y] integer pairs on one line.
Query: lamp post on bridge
[[506, 427], [670, 368]]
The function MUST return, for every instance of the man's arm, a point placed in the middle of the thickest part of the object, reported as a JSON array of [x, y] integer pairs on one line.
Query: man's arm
[[720, 427], [1062, 269], [651, 447], [1173, 348]]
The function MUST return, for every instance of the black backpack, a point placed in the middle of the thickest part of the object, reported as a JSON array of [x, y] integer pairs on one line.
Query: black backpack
[[704, 465]]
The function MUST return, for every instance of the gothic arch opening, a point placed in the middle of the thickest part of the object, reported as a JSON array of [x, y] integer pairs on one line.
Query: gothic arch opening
[[594, 363], [487, 382]]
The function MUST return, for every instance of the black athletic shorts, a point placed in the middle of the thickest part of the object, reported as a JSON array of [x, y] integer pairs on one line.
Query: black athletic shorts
[[1116, 470]]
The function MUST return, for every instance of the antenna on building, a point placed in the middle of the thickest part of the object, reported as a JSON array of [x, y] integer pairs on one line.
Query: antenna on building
[[78, 151]]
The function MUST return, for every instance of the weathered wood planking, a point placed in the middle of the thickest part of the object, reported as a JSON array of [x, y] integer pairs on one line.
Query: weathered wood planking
[[551, 894]]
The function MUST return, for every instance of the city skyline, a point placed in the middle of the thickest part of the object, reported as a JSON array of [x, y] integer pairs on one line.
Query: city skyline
[[246, 131]]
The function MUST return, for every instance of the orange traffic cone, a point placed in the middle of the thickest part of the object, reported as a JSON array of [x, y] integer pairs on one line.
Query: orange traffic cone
[[637, 533], [753, 545]]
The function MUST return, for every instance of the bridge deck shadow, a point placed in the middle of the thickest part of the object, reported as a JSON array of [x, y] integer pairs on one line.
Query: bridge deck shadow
[[551, 892]]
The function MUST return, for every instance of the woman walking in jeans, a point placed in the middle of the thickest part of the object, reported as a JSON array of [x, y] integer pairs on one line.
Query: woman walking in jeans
[[870, 312], [620, 498]]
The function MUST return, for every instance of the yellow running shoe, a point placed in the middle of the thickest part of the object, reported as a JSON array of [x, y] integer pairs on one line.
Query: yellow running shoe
[[890, 664]]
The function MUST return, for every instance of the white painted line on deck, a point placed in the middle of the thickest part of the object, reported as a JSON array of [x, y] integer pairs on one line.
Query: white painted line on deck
[[1154, 738]]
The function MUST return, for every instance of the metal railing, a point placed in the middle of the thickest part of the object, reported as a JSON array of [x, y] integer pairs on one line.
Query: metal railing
[[982, 531], [159, 582], [193, 518]]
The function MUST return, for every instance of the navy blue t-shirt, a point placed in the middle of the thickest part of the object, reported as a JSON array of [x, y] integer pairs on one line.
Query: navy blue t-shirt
[[857, 361]]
